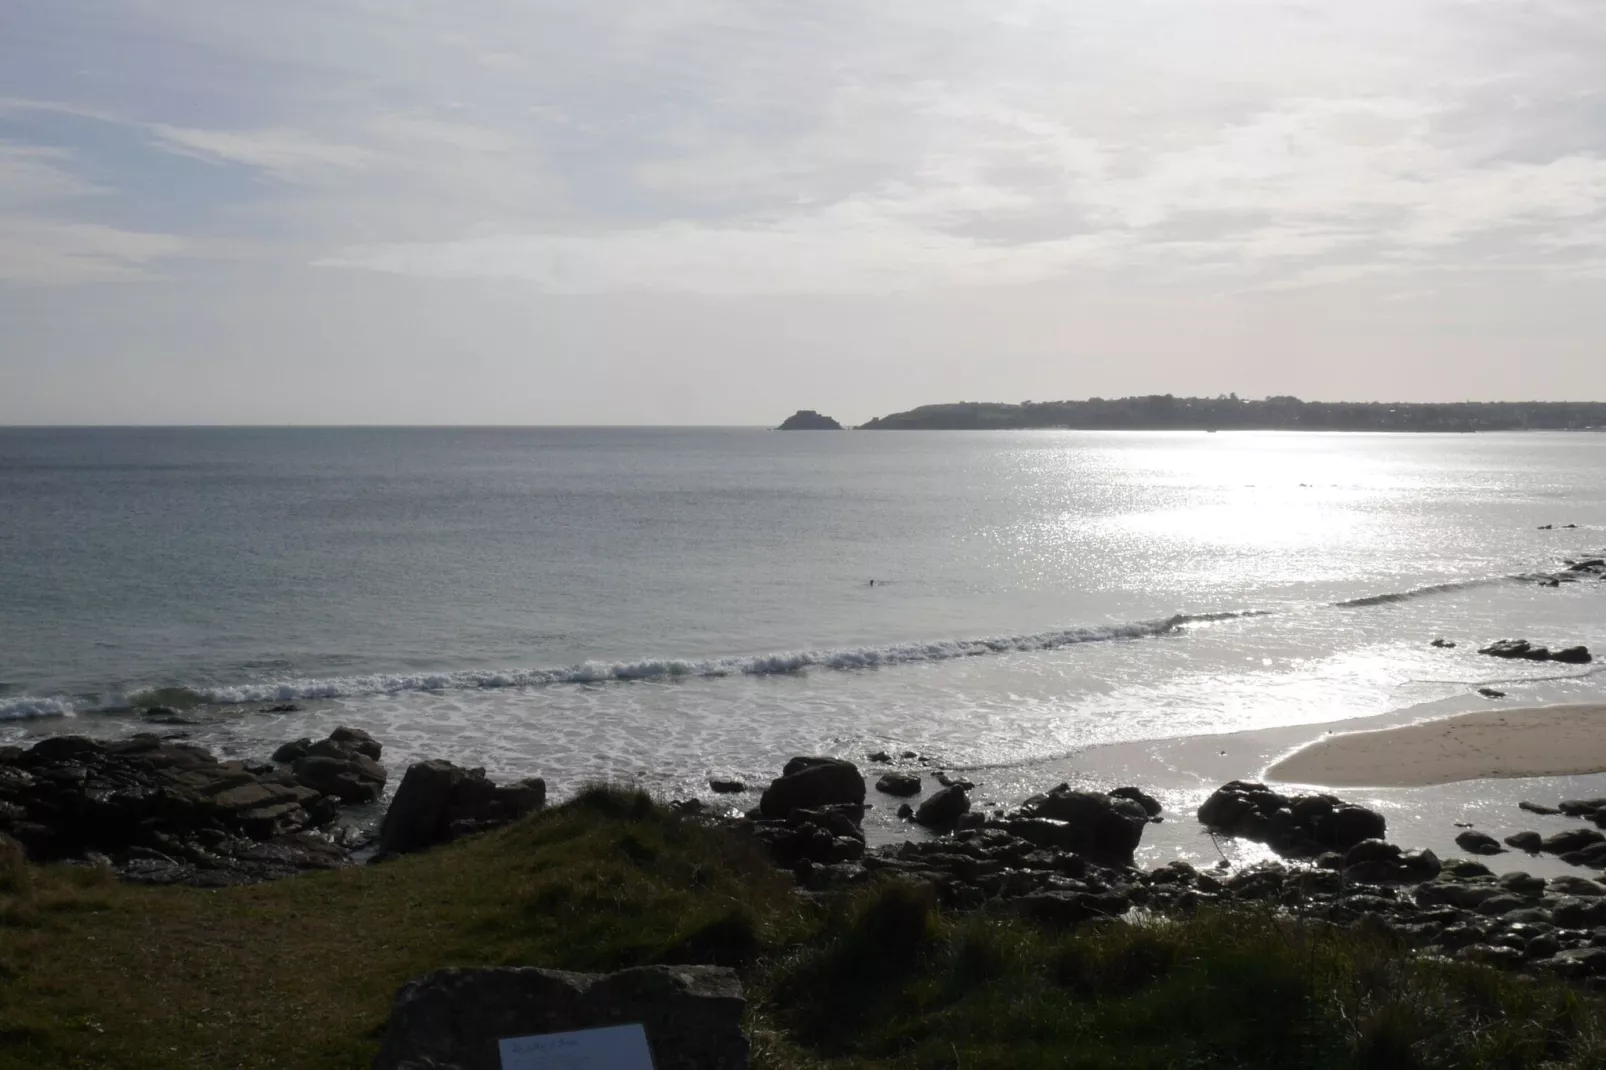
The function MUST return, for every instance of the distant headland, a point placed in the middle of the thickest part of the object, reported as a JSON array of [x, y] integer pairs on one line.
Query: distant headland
[[1229, 412], [808, 420]]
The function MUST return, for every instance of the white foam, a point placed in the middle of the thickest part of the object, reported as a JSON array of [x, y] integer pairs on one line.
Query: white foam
[[26, 706], [590, 672]]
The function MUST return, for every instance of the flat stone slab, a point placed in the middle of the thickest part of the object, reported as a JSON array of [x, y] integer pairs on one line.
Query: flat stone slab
[[455, 1019]]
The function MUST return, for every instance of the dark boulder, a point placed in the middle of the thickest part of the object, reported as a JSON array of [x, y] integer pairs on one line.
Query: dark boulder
[[944, 808], [1570, 840], [692, 1015], [1297, 826], [1509, 648], [1105, 828], [721, 786], [1479, 843], [807, 783], [1443, 644], [1150, 804], [438, 802], [351, 778], [1579, 913], [901, 785], [1573, 655], [1525, 841], [358, 740], [295, 749]]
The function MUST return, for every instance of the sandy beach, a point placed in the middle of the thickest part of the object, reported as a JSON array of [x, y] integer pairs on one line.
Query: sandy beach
[[1542, 741]]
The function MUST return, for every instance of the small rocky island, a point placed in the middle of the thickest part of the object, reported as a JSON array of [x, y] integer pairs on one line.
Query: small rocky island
[[808, 420]]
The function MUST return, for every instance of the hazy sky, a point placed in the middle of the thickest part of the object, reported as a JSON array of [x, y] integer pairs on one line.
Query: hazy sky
[[718, 211]]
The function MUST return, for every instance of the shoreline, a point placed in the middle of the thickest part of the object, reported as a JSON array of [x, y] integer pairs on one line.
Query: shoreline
[[1539, 741]]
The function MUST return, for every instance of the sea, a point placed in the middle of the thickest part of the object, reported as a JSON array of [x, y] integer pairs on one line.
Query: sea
[[659, 605]]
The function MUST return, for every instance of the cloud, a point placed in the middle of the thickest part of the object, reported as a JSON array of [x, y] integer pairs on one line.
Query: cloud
[[290, 155], [735, 148], [40, 242]]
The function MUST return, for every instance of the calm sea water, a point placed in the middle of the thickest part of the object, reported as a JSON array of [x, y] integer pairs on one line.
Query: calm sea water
[[670, 603]]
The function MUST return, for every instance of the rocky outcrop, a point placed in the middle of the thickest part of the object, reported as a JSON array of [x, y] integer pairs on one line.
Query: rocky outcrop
[[1526, 651], [1106, 828], [439, 802], [454, 1019], [810, 783], [345, 766], [828, 835], [1297, 826], [166, 812], [809, 420]]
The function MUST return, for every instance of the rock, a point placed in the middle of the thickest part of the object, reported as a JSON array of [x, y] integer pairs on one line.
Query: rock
[[1507, 648], [809, 420], [162, 811], [1299, 825], [1525, 841], [806, 783], [290, 752], [1105, 828], [944, 808], [1150, 804], [1489, 692], [954, 782], [438, 802], [354, 778], [283, 707], [1443, 644], [1522, 884], [1536, 808], [906, 812], [1571, 840], [1580, 887], [1573, 655], [901, 785], [1070, 908], [880, 757], [1373, 851], [1579, 913], [1479, 843], [453, 1019], [358, 740], [1577, 963], [726, 787]]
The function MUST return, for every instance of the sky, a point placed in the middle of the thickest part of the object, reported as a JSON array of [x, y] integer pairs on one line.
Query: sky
[[719, 211]]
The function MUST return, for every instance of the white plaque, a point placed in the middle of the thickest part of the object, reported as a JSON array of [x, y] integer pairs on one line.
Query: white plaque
[[618, 1047]]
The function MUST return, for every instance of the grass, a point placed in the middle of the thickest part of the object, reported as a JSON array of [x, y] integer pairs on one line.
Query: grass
[[301, 973]]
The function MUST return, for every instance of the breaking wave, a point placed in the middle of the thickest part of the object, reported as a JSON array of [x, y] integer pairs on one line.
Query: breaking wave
[[593, 672], [1419, 592]]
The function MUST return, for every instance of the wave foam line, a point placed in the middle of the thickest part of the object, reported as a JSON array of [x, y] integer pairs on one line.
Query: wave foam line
[[592, 672], [1420, 592]]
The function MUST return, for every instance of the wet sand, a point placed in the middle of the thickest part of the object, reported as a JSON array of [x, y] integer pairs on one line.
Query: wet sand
[[1537, 742]]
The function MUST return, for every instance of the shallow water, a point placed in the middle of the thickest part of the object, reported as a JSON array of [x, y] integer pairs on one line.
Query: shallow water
[[663, 604]]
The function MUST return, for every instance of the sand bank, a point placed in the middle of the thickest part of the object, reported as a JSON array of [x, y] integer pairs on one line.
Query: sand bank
[[1544, 741]]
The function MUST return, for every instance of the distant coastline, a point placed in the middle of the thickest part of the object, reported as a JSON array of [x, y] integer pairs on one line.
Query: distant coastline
[[1163, 412]]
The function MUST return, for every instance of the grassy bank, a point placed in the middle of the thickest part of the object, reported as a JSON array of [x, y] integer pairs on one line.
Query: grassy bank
[[301, 973]]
